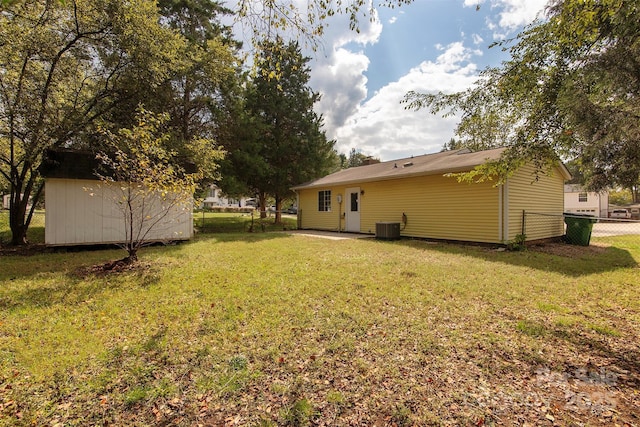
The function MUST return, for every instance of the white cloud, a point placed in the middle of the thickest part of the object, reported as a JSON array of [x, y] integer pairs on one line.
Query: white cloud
[[517, 13], [338, 32], [512, 14], [343, 85], [338, 71], [382, 127], [379, 125]]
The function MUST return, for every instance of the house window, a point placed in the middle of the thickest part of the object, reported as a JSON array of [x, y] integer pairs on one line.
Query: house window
[[582, 197], [354, 202], [324, 201]]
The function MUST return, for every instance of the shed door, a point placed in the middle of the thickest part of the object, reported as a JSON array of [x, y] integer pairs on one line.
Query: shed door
[[352, 210]]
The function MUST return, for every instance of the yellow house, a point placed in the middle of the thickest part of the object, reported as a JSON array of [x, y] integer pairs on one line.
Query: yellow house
[[416, 194]]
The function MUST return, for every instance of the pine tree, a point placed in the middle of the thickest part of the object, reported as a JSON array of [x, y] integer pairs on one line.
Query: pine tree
[[280, 142]]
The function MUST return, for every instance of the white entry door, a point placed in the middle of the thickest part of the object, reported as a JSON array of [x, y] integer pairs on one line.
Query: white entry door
[[352, 210]]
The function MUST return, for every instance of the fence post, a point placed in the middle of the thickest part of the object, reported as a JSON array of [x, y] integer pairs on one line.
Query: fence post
[[524, 219]]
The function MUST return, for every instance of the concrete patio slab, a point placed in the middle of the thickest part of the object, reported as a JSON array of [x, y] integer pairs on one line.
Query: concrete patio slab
[[331, 235]]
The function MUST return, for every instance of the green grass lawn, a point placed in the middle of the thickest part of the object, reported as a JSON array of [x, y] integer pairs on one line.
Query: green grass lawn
[[209, 222], [204, 222], [267, 329]]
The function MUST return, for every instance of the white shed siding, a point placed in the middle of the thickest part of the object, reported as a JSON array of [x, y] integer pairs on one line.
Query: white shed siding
[[84, 212]]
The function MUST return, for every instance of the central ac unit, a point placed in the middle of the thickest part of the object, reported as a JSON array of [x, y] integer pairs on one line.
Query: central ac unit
[[388, 230]]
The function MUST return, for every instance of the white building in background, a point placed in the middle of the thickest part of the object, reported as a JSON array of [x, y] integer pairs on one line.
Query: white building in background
[[6, 201], [578, 200], [215, 197]]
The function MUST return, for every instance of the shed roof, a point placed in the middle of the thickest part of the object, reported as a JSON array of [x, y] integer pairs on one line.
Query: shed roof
[[66, 163], [428, 164], [79, 164]]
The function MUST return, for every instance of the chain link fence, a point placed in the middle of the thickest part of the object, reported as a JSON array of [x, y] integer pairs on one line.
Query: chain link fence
[[235, 222], [615, 227], [541, 224], [204, 222], [603, 227], [533, 223]]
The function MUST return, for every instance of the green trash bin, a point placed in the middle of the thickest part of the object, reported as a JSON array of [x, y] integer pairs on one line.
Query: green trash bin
[[579, 228]]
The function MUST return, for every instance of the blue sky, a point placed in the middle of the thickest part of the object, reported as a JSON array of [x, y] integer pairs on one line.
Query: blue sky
[[427, 46], [412, 34]]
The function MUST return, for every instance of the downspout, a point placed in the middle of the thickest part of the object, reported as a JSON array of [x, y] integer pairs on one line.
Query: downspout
[[339, 213], [500, 213], [505, 211], [299, 211]]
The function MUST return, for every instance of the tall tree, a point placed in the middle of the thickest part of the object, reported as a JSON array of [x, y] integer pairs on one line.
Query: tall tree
[[572, 86], [190, 94], [209, 60], [60, 65], [65, 64], [281, 142]]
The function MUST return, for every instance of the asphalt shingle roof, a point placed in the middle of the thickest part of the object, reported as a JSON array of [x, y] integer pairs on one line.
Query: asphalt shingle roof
[[428, 164]]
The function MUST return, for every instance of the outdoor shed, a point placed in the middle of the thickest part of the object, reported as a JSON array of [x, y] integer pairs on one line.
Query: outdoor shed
[[419, 194], [82, 210]]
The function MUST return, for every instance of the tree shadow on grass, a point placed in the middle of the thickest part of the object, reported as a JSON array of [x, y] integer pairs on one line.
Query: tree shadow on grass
[[30, 260], [82, 276], [617, 351], [75, 287], [607, 350], [576, 261], [241, 236]]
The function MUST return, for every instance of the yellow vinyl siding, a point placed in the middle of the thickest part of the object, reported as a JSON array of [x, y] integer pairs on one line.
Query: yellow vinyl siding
[[436, 207], [546, 195], [310, 217], [439, 207]]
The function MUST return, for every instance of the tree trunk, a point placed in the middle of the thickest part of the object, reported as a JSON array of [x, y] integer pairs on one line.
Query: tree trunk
[[132, 258], [18, 235], [262, 197], [22, 187], [132, 253], [278, 219], [17, 215]]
